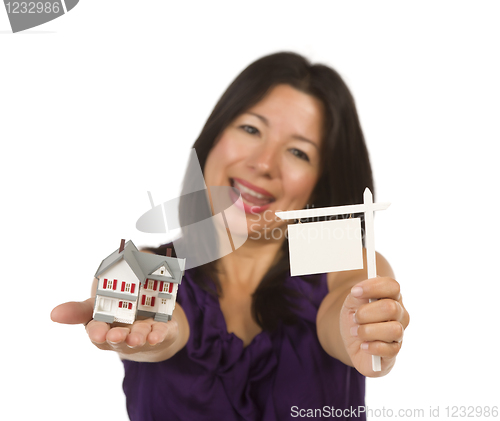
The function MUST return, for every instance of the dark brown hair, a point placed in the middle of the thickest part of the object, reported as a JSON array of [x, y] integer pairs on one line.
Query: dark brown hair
[[345, 162]]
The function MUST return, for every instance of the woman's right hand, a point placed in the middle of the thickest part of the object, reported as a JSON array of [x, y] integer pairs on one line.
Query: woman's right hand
[[143, 341]]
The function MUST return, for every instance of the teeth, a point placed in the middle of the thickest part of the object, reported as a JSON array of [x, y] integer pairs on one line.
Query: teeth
[[245, 189]]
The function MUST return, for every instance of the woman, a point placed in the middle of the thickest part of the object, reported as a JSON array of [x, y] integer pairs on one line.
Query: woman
[[247, 341]]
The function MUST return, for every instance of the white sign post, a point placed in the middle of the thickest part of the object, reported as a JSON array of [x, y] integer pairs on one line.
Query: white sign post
[[308, 263]]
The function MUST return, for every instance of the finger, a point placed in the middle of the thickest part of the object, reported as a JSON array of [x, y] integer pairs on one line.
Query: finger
[[163, 332], [380, 311], [377, 288], [385, 332], [382, 349], [353, 303], [73, 312], [97, 331], [406, 315], [139, 333], [117, 335]]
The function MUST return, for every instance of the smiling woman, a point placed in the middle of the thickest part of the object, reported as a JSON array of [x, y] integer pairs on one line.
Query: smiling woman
[[291, 129], [266, 154], [247, 341]]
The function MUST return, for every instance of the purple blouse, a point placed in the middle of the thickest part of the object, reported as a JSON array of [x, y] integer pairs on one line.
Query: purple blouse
[[278, 376]]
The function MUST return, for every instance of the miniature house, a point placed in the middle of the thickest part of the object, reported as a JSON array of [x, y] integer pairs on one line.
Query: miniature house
[[132, 284]]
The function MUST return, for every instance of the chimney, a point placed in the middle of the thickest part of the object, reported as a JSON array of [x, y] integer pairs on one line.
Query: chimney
[[169, 252], [122, 245]]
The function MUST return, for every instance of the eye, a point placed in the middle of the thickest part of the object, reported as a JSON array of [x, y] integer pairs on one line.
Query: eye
[[299, 154], [250, 129]]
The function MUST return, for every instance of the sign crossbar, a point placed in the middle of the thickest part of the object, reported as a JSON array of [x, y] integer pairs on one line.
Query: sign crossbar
[[331, 211]]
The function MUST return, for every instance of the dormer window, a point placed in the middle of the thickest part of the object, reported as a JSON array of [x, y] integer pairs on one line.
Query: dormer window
[[162, 271]]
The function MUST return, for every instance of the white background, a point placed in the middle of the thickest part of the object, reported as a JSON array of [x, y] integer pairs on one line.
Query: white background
[[103, 104]]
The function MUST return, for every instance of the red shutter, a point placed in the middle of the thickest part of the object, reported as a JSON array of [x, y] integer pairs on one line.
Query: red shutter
[[132, 288], [120, 304], [123, 286], [114, 284], [143, 301], [156, 285], [130, 306], [152, 301], [161, 286], [146, 284], [170, 287], [105, 284]]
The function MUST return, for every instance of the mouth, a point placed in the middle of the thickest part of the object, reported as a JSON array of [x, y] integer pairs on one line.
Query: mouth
[[255, 199]]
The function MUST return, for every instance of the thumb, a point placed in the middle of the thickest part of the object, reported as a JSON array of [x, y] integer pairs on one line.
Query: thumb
[[73, 312], [355, 299]]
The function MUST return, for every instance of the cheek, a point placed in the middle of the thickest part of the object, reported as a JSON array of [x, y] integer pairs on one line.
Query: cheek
[[215, 162], [225, 152], [299, 186]]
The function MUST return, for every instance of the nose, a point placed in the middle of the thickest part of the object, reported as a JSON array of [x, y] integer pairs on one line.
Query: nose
[[264, 160]]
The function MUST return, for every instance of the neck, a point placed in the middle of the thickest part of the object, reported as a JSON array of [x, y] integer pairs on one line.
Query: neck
[[247, 265]]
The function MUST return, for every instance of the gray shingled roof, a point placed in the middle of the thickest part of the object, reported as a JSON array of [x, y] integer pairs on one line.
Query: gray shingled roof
[[144, 264], [151, 262]]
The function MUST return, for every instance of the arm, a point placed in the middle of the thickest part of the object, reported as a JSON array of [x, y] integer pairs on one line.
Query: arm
[[351, 329], [144, 340]]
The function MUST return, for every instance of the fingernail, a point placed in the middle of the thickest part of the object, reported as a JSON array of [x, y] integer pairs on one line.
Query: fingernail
[[364, 345], [357, 291], [354, 330]]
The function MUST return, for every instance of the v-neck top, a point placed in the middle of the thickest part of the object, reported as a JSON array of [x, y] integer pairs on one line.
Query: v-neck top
[[279, 376]]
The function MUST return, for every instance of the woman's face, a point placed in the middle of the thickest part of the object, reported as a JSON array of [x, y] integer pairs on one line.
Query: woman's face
[[271, 154]]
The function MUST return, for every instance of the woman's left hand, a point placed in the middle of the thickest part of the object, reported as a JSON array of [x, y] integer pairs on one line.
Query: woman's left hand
[[373, 328]]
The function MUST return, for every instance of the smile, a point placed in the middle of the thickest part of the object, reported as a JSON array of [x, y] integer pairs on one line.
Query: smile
[[255, 199]]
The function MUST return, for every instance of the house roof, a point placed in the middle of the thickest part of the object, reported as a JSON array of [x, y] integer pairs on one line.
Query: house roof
[[144, 264], [116, 256], [149, 263], [170, 274]]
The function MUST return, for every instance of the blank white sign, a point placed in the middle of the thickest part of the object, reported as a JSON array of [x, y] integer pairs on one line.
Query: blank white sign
[[327, 246]]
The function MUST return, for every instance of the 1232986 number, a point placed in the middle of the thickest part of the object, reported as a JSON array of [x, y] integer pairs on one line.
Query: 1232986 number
[[471, 411], [33, 7]]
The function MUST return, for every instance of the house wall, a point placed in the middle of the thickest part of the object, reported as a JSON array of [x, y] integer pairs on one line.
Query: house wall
[[146, 298], [121, 272], [173, 300], [110, 306], [126, 313], [151, 296], [167, 308]]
